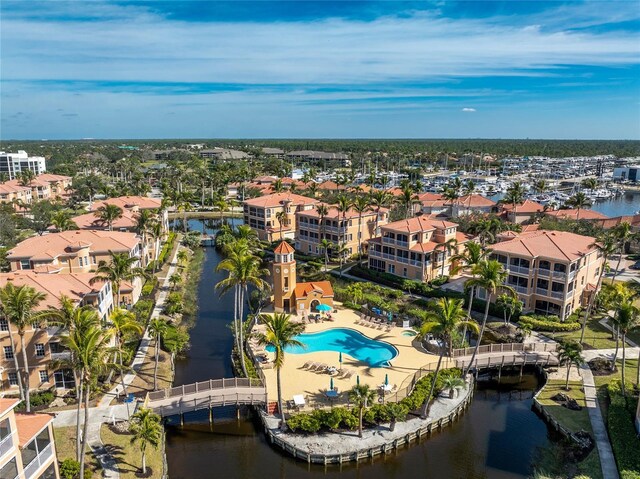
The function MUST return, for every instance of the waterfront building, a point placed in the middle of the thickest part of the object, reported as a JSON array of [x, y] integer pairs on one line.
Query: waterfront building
[[553, 272], [264, 213], [419, 248], [575, 214], [628, 173], [12, 164], [43, 343], [523, 212], [341, 229], [289, 296], [27, 444], [78, 252]]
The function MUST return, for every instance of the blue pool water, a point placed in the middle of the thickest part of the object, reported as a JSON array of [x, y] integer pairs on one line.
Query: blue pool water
[[375, 353]]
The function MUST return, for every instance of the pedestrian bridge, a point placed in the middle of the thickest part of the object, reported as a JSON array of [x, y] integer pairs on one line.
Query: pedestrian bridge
[[508, 354], [207, 395]]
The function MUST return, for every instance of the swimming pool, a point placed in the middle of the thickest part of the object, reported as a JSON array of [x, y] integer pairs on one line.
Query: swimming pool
[[375, 353]]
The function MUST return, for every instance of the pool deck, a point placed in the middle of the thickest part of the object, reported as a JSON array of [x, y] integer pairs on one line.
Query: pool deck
[[296, 380]]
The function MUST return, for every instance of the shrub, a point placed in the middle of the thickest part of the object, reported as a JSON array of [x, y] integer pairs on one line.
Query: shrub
[[622, 432], [69, 469], [303, 422], [149, 286], [39, 399], [549, 323], [142, 310]]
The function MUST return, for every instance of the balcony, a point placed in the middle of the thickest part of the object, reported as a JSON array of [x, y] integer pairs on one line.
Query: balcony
[[60, 356], [544, 273], [559, 294], [560, 275], [387, 240], [519, 270], [519, 289], [419, 264], [542, 291], [6, 445], [40, 460]]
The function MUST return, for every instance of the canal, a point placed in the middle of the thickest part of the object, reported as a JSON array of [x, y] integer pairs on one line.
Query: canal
[[498, 437]]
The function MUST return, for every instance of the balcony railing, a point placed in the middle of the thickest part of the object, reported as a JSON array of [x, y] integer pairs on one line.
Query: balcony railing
[[519, 289], [395, 241], [518, 270], [39, 461], [542, 291], [558, 294], [61, 355], [560, 275], [545, 273], [6, 445]]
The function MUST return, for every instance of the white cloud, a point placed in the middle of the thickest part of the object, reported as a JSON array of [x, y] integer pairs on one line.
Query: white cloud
[[469, 109]]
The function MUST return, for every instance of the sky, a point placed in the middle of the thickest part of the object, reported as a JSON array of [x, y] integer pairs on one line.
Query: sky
[[303, 69]]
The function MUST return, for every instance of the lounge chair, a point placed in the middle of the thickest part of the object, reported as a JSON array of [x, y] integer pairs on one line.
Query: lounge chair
[[348, 374], [321, 368], [314, 366], [307, 364]]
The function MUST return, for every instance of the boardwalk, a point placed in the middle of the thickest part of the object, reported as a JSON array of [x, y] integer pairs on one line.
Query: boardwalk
[[206, 395], [508, 354]]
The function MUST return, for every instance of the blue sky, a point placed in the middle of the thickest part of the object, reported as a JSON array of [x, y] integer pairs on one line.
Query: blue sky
[[306, 69]]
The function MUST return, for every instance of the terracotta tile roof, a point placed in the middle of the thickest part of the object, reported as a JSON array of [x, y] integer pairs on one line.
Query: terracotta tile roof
[[52, 245], [557, 245], [633, 220], [277, 199], [91, 221], [334, 214], [530, 228], [303, 289], [75, 286], [425, 247], [331, 185], [29, 425], [284, 248], [6, 404], [50, 177], [585, 214], [12, 186], [429, 197], [477, 201], [419, 223], [528, 207], [129, 202]]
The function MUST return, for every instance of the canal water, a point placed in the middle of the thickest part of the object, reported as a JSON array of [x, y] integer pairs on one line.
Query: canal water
[[625, 204], [498, 437]]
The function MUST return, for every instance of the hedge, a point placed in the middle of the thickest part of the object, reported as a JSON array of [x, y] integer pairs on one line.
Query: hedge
[[622, 432], [548, 323], [341, 417]]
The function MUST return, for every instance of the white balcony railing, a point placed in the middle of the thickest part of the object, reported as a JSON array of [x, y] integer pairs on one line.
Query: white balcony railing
[[395, 241], [40, 460], [6, 445], [545, 273], [518, 270], [542, 291], [558, 294], [519, 289]]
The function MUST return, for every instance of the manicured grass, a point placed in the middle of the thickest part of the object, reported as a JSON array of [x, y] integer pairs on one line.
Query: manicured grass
[[631, 371], [129, 457], [66, 449], [596, 336], [572, 420]]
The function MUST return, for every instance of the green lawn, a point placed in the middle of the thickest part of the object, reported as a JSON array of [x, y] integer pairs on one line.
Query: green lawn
[[596, 336], [66, 449], [129, 457], [631, 371], [572, 420]]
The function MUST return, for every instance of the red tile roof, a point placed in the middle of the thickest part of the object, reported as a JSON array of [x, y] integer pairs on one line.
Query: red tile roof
[[419, 223], [278, 199], [528, 207], [583, 214], [284, 248], [29, 425], [558, 245], [7, 404], [303, 289]]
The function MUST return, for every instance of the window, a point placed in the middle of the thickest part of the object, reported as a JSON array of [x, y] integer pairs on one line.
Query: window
[[64, 379], [9, 470], [4, 325], [25, 264], [40, 350], [8, 352], [13, 379], [93, 259], [80, 260], [44, 376]]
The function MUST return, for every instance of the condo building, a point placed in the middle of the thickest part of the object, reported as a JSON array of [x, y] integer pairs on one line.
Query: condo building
[[553, 272], [349, 229], [418, 248], [273, 217], [12, 164]]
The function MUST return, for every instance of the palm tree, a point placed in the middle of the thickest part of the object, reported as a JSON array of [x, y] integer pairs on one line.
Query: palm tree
[[569, 354], [361, 395], [472, 255], [146, 430], [322, 210], [108, 214], [325, 245], [607, 248], [175, 341], [447, 247], [89, 346], [156, 232], [453, 383], [341, 251], [589, 183], [360, 205], [621, 234], [510, 305], [280, 334], [407, 199], [515, 196], [380, 199], [120, 268], [27, 177], [144, 220], [277, 186], [281, 216], [627, 317], [579, 201], [490, 276], [122, 322], [540, 186], [222, 207], [62, 221], [447, 317], [20, 304], [175, 280], [158, 328], [182, 257], [452, 196], [343, 205]]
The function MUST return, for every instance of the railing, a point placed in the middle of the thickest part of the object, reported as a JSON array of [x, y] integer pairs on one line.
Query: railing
[[557, 294], [420, 264], [40, 460], [395, 241], [559, 275], [545, 273], [210, 385], [6, 444], [507, 360], [507, 348], [518, 270], [542, 291], [519, 289], [61, 355]]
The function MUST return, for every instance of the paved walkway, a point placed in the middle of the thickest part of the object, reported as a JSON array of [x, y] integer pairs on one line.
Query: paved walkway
[[607, 461], [106, 413]]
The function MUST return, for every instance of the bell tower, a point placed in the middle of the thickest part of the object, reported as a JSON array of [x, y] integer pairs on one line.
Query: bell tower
[[284, 278]]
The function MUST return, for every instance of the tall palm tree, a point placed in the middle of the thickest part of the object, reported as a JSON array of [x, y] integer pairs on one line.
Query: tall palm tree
[[490, 276], [325, 245], [627, 317], [472, 255], [281, 216], [589, 183], [361, 395], [322, 210], [360, 205], [343, 205], [156, 232], [62, 221], [407, 199], [277, 186], [570, 354], [340, 250], [447, 247], [447, 317], [540, 186], [380, 199], [90, 349], [144, 220], [120, 268], [158, 328], [607, 247], [20, 305], [280, 333], [579, 201], [108, 214], [514, 196], [122, 322], [621, 234], [146, 430]]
